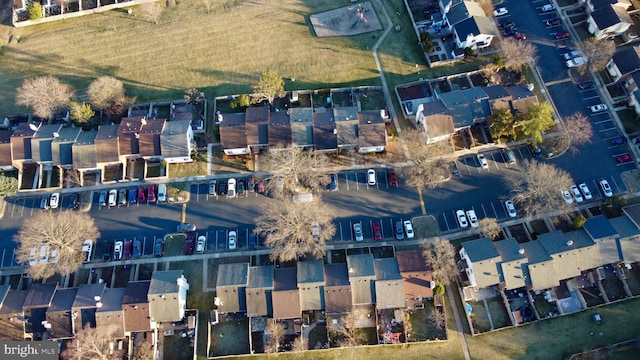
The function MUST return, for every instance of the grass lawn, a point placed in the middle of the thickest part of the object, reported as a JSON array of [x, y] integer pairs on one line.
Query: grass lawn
[[542, 306], [230, 338], [498, 313], [176, 347], [479, 316], [174, 244], [422, 328], [633, 279], [559, 337]]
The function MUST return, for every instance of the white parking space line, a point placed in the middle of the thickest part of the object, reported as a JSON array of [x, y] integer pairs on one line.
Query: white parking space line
[[494, 161], [602, 121], [590, 97], [446, 222], [495, 213], [609, 129], [341, 233], [615, 183]]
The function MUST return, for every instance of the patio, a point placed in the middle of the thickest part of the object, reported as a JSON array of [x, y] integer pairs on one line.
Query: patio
[[229, 337]]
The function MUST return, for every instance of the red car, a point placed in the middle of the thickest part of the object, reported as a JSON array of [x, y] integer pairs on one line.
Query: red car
[[562, 35], [128, 247], [152, 193], [393, 178], [189, 245], [520, 36], [624, 158], [141, 197], [377, 231]]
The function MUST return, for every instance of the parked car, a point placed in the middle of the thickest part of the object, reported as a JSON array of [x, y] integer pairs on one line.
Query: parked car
[[122, 196], [113, 197], [222, 187], [189, 245], [54, 256], [117, 250], [87, 249], [377, 231], [212, 187], [509, 156], [107, 254], [252, 241], [571, 54], [562, 35], [158, 247], [507, 25], [535, 151], [585, 191], [151, 194], [473, 219], [393, 178], [240, 187], [575, 62], [585, 85], [201, 244], [462, 219], [483, 161], [231, 188], [251, 184], [598, 108], [520, 36], [33, 257], [232, 240], [548, 7], [553, 22], [371, 177], [133, 193], [618, 140], [186, 228], [128, 249], [44, 254], [399, 232], [455, 170], [260, 187], [576, 194], [624, 158], [606, 188], [333, 182], [510, 32], [357, 231], [511, 209], [137, 248], [500, 11], [566, 195], [44, 203], [102, 199], [141, 196], [54, 200], [408, 229], [162, 193]]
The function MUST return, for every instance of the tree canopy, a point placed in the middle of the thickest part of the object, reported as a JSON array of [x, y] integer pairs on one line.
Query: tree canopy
[[299, 169], [61, 231], [44, 94], [107, 94], [430, 166], [598, 53], [518, 53], [269, 86], [8, 185], [80, 113], [578, 130], [531, 125], [440, 255], [93, 344]]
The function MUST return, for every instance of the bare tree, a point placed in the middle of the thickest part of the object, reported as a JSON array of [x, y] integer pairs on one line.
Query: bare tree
[[430, 166], [297, 168], [93, 344], [8, 185], [578, 130], [275, 331], [300, 344], [107, 94], [50, 232], [536, 189], [438, 317], [269, 86], [490, 71], [440, 255], [598, 53], [517, 54], [489, 227], [487, 6], [44, 94], [296, 228], [151, 11], [143, 351], [346, 329]]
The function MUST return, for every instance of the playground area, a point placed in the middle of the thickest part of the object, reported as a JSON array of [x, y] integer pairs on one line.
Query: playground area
[[346, 21]]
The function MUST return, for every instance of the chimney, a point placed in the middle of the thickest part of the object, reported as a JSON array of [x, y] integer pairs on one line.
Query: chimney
[[570, 242], [521, 251]]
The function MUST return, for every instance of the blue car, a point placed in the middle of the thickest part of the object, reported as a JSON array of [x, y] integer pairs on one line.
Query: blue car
[[133, 192], [333, 182], [619, 140], [137, 249], [252, 241]]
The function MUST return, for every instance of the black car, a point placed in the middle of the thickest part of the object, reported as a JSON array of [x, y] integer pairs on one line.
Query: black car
[[252, 241], [333, 182], [75, 204], [585, 85], [251, 185], [510, 32], [553, 22], [222, 187], [535, 151], [507, 25], [240, 186], [108, 252], [158, 247]]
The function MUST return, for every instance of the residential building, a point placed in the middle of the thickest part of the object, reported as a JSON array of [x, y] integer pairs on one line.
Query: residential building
[[87, 300], [302, 126], [511, 264], [608, 18], [346, 119], [176, 141], [570, 256], [480, 262], [325, 133], [62, 147], [259, 290], [279, 131], [233, 134], [540, 274], [257, 122], [468, 23], [12, 319], [337, 290], [437, 122], [624, 63], [107, 150], [362, 276], [110, 313], [416, 275], [310, 279], [167, 296], [388, 284], [59, 314], [135, 307], [84, 153], [607, 239], [371, 132], [231, 287], [285, 296], [38, 300], [6, 161], [149, 138]]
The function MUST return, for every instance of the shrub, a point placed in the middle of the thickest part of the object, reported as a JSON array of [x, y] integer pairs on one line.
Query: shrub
[[241, 101], [35, 10], [578, 222]]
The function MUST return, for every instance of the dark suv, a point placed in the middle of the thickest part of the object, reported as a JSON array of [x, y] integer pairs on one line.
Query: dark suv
[[399, 230], [158, 247]]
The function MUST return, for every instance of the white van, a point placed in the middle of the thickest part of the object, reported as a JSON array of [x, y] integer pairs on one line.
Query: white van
[[308, 197], [162, 193]]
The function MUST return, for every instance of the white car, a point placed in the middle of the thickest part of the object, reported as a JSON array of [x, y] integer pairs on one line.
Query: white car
[[575, 62], [232, 240], [371, 177], [87, 247], [408, 228], [200, 244], [571, 54], [548, 7], [54, 200], [473, 219], [511, 210], [231, 188], [54, 256], [462, 219], [585, 191], [357, 232], [33, 257], [567, 197], [500, 11], [594, 109], [576, 194], [44, 254], [483, 161], [113, 197], [606, 188], [117, 250]]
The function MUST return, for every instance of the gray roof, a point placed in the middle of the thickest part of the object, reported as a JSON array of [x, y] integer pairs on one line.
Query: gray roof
[[480, 249], [310, 271], [474, 26], [324, 131], [412, 261], [608, 16], [62, 146], [629, 241], [337, 299], [163, 282], [496, 92], [466, 105], [84, 150], [434, 107], [633, 213], [41, 142], [279, 130], [4, 290], [627, 59], [509, 250], [11, 315], [39, 295], [59, 313], [260, 277], [47, 131], [361, 265], [106, 141], [136, 292], [463, 10], [63, 300], [336, 274], [624, 227], [21, 140], [510, 269], [301, 126], [13, 301], [599, 227], [362, 290], [557, 242], [112, 299], [173, 139], [285, 279], [389, 294], [235, 274], [371, 130], [86, 295], [535, 252], [387, 269]]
